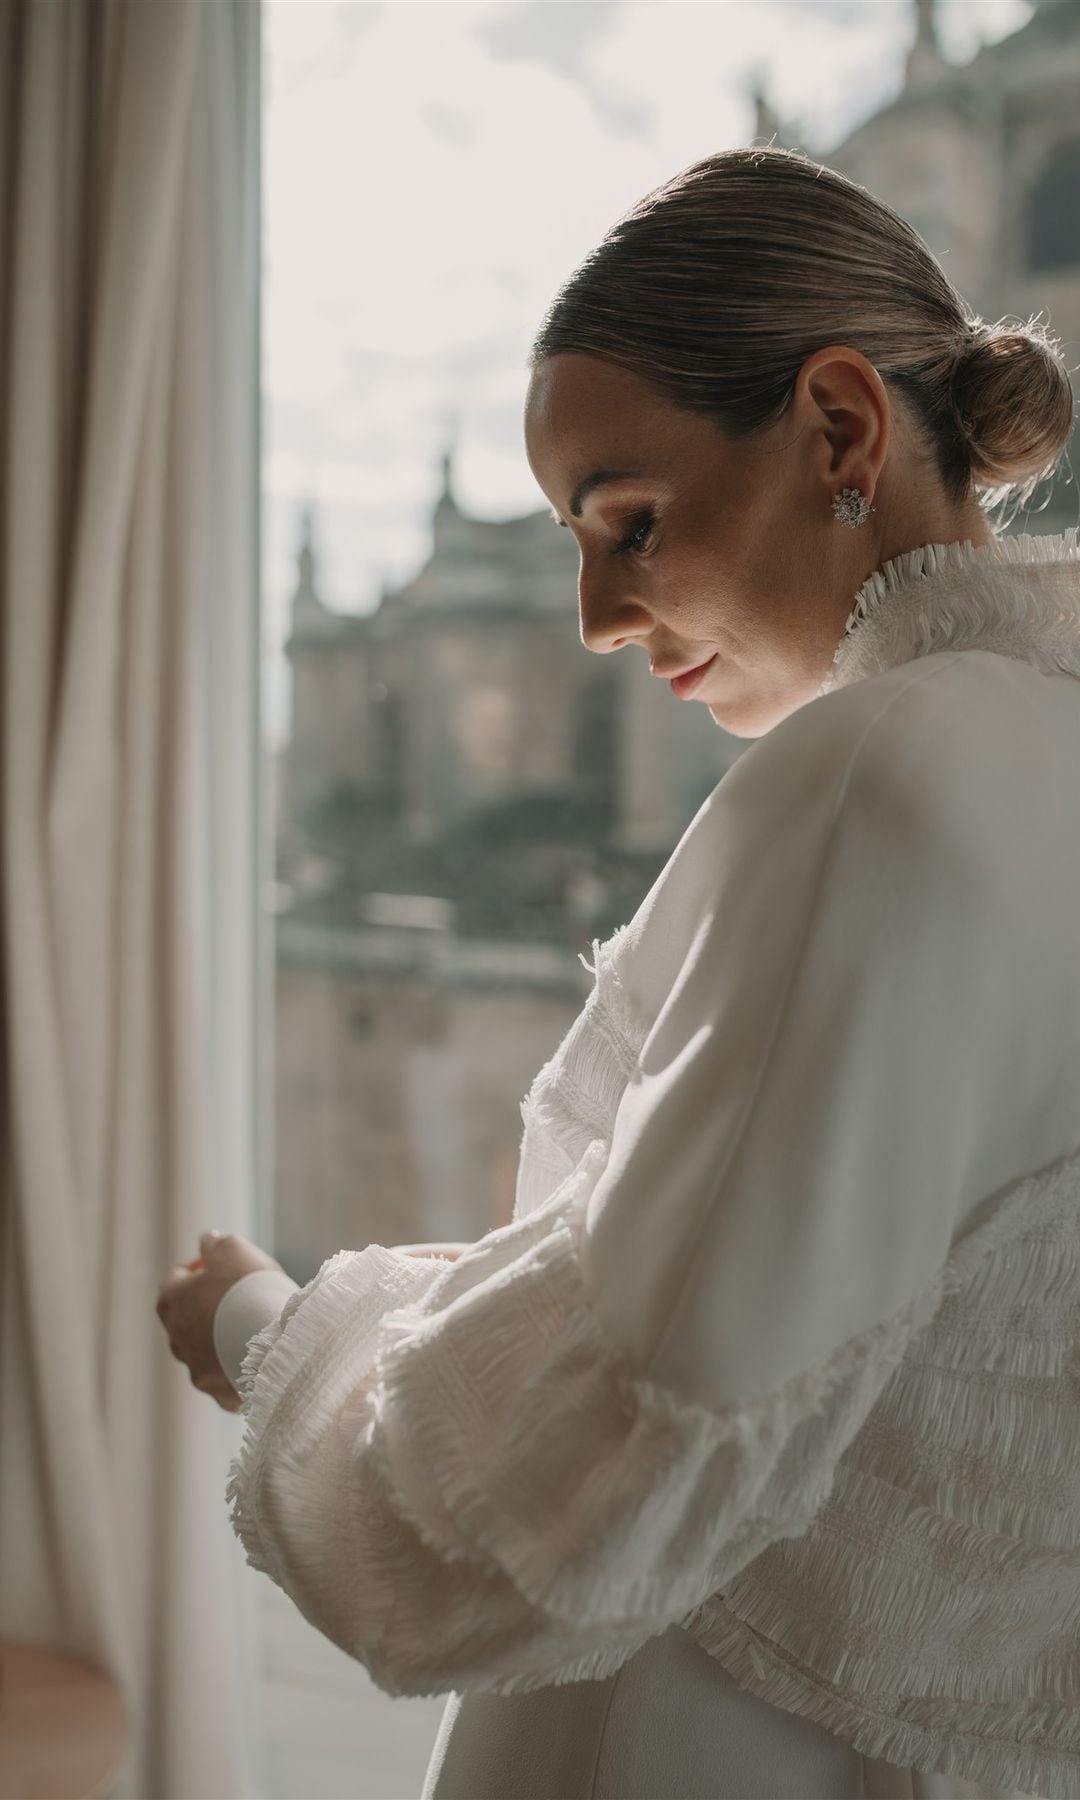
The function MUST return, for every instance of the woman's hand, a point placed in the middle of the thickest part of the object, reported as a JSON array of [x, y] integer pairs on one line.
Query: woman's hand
[[187, 1301]]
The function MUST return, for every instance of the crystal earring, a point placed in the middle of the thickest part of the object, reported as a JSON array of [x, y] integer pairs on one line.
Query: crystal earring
[[851, 507]]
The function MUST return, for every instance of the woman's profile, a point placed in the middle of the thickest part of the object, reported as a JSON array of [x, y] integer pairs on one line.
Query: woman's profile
[[744, 1463]]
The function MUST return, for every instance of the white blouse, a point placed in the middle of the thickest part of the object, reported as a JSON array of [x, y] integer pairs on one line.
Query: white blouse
[[781, 1343]]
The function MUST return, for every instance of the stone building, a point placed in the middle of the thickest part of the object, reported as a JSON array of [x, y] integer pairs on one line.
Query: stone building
[[984, 160], [467, 694], [469, 796]]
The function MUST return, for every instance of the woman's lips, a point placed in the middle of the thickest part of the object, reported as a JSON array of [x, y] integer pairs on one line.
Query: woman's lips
[[684, 685]]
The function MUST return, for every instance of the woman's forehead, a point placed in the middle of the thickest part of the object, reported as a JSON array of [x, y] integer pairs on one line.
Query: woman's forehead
[[571, 386], [587, 416]]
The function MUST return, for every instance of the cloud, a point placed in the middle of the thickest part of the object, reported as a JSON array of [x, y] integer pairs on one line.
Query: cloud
[[450, 124], [564, 38]]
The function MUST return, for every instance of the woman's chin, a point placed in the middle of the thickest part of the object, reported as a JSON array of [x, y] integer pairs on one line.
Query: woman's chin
[[744, 717], [747, 721], [733, 719]]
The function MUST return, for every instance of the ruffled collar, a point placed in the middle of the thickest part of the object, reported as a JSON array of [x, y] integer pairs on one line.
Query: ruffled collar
[[1018, 596]]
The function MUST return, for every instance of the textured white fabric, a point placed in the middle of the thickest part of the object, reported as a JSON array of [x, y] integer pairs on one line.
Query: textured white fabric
[[780, 1343]]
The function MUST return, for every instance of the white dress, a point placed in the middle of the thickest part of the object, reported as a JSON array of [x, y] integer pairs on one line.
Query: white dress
[[745, 1460]]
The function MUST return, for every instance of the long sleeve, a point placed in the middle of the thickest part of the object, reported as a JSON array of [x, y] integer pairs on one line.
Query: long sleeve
[[516, 1469], [244, 1309]]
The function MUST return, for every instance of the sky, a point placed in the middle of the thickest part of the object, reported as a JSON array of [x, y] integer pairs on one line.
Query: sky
[[433, 170]]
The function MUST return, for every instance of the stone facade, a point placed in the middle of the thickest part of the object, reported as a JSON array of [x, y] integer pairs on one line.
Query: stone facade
[[401, 1057]]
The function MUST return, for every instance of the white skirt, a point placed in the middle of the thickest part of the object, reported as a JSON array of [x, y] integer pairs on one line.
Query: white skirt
[[671, 1724]]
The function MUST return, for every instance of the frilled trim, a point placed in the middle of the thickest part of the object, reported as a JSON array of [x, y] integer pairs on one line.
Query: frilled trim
[[1001, 1746], [574, 1097], [930, 1615], [420, 1604], [609, 1502], [424, 1609], [1018, 596], [304, 1342]]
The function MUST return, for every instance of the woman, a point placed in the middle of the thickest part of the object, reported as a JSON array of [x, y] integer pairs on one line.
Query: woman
[[745, 1461]]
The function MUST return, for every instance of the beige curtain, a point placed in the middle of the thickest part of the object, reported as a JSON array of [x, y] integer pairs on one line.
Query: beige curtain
[[129, 792]]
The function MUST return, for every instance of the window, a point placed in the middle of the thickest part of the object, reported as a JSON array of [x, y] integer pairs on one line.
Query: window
[[465, 796]]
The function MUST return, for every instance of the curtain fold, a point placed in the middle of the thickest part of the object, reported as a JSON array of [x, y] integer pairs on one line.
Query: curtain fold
[[129, 802]]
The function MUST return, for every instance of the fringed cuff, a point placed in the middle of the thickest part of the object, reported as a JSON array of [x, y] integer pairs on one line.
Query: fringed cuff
[[305, 1365]]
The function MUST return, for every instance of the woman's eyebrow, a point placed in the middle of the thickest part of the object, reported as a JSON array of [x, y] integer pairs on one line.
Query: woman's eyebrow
[[588, 482]]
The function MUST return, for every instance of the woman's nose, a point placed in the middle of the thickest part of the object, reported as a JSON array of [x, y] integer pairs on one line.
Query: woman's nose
[[609, 618]]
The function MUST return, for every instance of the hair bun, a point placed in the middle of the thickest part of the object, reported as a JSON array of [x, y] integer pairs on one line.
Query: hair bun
[[1012, 401]]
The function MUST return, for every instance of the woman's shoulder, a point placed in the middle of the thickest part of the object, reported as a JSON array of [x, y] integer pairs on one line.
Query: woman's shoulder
[[969, 750], [904, 724], [818, 775], [958, 759], [945, 731], [944, 688]]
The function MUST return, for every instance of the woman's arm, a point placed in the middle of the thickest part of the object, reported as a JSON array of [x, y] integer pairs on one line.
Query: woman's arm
[[255, 1299]]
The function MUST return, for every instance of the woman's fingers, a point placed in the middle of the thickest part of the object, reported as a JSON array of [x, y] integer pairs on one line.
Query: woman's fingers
[[217, 1385]]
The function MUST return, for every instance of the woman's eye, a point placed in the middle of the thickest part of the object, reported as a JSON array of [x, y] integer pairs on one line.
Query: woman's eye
[[638, 537]]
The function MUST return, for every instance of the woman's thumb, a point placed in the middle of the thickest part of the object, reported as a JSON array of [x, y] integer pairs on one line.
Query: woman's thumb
[[208, 1240]]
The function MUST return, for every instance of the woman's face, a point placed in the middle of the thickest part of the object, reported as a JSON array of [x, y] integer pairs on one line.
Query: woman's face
[[706, 546]]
